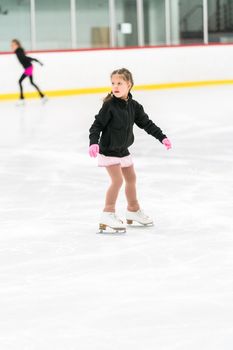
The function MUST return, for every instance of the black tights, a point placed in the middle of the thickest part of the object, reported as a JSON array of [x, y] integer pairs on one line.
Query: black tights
[[23, 76]]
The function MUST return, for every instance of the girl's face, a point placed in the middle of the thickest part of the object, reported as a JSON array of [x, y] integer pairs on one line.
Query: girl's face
[[120, 87], [14, 46]]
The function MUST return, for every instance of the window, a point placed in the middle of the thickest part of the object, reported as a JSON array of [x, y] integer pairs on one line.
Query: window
[[191, 21], [14, 23], [220, 20], [154, 22], [92, 21], [126, 23], [53, 24], [66, 24]]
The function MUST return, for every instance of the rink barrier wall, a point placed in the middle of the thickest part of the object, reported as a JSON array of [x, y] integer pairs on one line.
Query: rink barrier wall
[[76, 72], [87, 91]]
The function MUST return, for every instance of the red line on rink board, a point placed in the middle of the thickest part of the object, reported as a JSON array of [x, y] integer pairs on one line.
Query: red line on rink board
[[124, 48]]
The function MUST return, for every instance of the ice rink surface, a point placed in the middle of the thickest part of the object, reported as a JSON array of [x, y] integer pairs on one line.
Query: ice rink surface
[[167, 287]]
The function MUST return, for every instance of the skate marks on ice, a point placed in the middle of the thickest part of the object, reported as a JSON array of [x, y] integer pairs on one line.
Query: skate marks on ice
[[163, 287]]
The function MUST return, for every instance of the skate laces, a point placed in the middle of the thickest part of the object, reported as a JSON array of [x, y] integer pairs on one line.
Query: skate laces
[[116, 218], [142, 214]]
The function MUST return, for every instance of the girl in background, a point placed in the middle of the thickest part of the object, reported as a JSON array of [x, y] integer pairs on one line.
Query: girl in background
[[115, 123], [26, 62]]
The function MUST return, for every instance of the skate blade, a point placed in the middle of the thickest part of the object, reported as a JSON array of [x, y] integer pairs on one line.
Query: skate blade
[[20, 105], [130, 222], [44, 100], [110, 230]]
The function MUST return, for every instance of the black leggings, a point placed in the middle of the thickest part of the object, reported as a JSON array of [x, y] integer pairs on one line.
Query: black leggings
[[23, 76]]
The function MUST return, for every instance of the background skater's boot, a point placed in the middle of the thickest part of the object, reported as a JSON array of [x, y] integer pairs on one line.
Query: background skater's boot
[[44, 99], [110, 220], [20, 103], [138, 216]]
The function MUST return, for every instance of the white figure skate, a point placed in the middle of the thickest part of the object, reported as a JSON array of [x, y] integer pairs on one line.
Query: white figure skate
[[110, 221], [138, 216], [44, 99]]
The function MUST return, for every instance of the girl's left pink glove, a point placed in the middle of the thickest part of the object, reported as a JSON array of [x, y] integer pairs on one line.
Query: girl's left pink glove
[[94, 150], [167, 143]]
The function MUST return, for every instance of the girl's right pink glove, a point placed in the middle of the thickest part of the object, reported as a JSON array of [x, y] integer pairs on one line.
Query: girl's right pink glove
[[94, 150], [167, 143]]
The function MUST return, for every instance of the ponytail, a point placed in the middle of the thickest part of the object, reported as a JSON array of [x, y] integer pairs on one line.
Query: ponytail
[[108, 97]]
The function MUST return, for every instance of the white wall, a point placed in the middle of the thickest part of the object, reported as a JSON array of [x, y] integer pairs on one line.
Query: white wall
[[73, 70]]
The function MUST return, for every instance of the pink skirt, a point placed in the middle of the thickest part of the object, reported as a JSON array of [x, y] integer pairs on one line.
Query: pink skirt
[[28, 71], [124, 162]]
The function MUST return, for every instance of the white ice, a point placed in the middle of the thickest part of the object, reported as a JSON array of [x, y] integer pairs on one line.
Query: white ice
[[167, 287]]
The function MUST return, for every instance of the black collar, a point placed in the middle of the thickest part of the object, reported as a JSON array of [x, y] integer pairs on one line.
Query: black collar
[[121, 101]]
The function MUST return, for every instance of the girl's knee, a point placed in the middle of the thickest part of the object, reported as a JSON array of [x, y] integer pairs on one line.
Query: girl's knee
[[118, 182], [131, 179]]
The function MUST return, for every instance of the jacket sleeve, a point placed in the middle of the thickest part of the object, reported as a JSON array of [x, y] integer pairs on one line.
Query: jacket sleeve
[[101, 120], [142, 121], [34, 59]]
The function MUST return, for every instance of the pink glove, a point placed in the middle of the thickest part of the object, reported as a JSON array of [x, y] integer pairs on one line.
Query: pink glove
[[94, 150], [167, 143]]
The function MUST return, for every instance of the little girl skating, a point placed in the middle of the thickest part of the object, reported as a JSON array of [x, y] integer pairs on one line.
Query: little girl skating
[[26, 62], [115, 123]]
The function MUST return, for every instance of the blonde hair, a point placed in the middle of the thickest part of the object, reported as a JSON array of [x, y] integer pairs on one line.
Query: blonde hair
[[125, 75]]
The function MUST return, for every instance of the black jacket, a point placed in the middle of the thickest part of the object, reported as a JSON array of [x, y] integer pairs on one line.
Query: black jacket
[[26, 61], [115, 121]]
